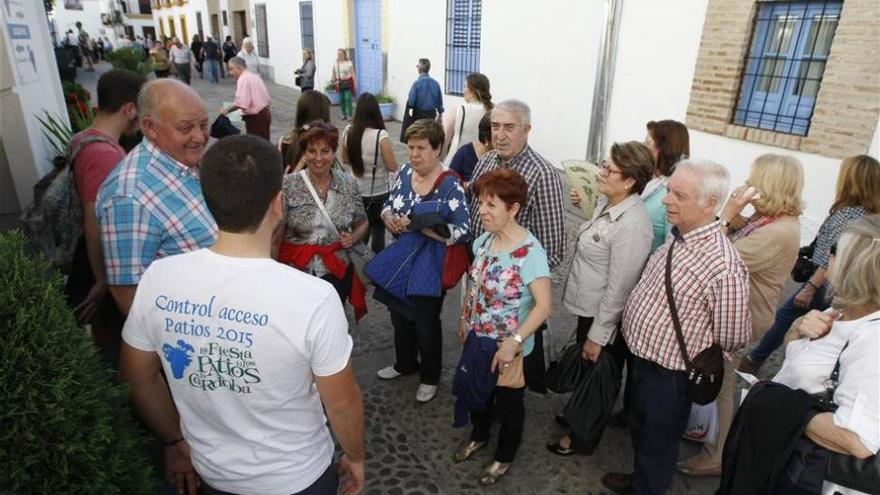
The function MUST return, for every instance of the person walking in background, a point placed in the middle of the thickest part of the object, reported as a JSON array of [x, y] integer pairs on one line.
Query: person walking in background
[[369, 154], [343, 76], [251, 97], [461, 125], [508, 298], [305, 75], [425, 100], [228, 421], [211, 59], [710, 288], [83, 42], [196, 48], [610, 251], [229, 51], [249, 55], [160, 61], [858, 192], [182, 58], [768, 243]]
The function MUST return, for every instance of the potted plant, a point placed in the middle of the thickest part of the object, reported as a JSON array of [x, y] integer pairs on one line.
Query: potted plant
[[386, 105], [330, 91]]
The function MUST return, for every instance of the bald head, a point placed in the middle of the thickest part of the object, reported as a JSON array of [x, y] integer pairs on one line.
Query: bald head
[[174, 119]]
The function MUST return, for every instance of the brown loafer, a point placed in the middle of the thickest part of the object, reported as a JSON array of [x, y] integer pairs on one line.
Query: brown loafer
[[618, 482], [700, 465]]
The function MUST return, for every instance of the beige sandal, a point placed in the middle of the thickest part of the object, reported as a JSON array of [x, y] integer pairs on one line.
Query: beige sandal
[[467, 450], [493, 472]]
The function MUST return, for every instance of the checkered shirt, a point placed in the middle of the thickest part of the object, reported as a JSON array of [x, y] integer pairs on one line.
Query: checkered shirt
[[543, 214], [711, 289], [150, 206]]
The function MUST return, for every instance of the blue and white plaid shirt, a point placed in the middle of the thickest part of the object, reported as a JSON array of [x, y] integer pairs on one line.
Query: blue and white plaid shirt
[[150, 206]]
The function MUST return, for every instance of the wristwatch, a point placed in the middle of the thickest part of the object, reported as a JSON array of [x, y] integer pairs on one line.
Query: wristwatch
[[518, 338]]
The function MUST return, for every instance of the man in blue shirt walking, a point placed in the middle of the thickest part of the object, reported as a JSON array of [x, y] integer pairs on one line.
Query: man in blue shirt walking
[[425, 98]]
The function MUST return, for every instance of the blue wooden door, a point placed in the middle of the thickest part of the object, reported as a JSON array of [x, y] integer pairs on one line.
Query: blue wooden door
[[368, 45]]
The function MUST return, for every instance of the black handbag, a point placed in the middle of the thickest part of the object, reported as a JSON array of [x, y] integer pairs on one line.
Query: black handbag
[[804, 268], [706, 371]]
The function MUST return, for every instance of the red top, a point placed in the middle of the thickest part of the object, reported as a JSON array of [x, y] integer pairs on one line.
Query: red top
[[94, 163]]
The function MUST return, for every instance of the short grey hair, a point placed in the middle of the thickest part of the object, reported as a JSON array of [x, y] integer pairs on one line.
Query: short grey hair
[[424, 65], [238, 62], [713, 180], [518, 107], [153, 92]]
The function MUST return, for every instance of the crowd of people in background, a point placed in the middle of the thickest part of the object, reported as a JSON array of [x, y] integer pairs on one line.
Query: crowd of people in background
[[273, 240]]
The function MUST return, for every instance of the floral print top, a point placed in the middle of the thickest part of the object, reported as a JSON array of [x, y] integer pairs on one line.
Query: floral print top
[[502, 299], [450, 195], [305, 222]]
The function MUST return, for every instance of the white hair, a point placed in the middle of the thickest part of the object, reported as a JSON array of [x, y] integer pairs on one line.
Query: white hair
[[518, 107], [713, 180]]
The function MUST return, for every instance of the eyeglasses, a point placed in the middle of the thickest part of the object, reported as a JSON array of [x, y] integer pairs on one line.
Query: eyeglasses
[[606, 169]]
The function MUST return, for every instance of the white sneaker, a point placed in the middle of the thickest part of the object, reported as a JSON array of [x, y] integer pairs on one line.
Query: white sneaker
[[388, 373], [426, 392]]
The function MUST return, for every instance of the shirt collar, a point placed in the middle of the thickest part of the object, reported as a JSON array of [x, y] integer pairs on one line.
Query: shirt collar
[[699, 234], [423, 74], [167, 161], [516, 160], [620, 208]]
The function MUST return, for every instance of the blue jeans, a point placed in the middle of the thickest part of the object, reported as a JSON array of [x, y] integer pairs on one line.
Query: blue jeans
[[212, 67], [785, 316], [327, 484], [659, 410]]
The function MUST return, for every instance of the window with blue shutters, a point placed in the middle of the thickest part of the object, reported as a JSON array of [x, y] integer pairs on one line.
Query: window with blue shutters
[[307, 26], [462, 42], [785, 64]]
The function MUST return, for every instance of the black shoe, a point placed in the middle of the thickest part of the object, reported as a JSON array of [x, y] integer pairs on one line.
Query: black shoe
[[620, 419], [560, 420], [618, 482], [558, 449]]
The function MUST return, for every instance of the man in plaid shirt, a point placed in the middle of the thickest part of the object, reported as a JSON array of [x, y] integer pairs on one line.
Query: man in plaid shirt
[[711, 291], [151, 204], [543, 214]]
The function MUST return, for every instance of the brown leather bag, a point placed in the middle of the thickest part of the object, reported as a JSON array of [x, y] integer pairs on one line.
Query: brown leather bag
[[512, 376]]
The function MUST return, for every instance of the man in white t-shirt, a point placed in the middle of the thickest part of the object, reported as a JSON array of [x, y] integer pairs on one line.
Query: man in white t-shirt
[[250, 348]]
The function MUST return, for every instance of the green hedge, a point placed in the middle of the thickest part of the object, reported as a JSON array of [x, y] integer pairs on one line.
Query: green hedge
[[65, 424]]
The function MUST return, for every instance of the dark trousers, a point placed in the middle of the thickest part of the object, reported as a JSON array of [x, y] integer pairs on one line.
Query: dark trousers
[[534, 367], [258, 124], [327, 484], [504, 405], [184, 72], [785, 316], [343, 285], [373, 207], [659, 410], [418, 341]]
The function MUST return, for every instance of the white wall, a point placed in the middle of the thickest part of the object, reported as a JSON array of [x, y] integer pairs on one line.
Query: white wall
[[27, 151], [90, 17], [331, 34], [285, 43]]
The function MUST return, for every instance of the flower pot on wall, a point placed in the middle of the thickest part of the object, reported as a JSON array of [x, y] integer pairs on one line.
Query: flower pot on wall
[[387, 110]]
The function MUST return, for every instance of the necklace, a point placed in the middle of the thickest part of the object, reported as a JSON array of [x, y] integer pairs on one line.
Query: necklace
[[323, 189]]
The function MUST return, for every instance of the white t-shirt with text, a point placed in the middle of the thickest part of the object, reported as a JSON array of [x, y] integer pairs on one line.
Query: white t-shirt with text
[[241, 340]]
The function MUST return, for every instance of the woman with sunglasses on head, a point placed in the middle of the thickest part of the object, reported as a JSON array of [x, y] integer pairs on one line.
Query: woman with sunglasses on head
[[610, 252]]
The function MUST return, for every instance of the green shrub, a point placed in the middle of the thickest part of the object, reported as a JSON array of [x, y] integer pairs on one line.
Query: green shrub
[[129, 58], [383, 98], [65, 424]]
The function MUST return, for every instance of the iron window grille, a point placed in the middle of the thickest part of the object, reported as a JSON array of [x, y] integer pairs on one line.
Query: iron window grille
[[262, 30], [785, 64], [462, 42], [307, 27]]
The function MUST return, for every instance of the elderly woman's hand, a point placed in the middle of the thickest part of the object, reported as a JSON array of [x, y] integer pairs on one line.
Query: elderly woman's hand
[[346, 239], [575, 197], [462, 329], [504, 356], [739, 198], [816, 324], [591, 351], [804, 296]]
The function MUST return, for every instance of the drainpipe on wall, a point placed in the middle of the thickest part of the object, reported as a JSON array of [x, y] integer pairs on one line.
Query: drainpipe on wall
[[604, 80]]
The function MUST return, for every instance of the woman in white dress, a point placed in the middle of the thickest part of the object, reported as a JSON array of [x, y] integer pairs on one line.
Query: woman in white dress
[[462, 124], [250, 55]]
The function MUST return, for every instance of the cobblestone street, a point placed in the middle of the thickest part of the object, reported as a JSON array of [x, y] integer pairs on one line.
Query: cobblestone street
[[409, 446]]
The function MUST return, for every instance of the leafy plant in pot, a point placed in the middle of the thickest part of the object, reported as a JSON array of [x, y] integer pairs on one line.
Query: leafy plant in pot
[[332, 93], [386, 105]]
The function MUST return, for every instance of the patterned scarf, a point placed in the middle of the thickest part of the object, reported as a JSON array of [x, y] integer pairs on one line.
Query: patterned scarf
[[754, 223]]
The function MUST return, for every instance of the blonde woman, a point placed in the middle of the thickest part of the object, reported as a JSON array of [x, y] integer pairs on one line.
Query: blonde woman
[[858, 193], [343, 76], [306, 73], [768, 244]]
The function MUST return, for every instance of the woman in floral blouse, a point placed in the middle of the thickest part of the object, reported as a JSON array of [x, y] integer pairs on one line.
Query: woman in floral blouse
[[311, 243], [509, 298], [426, 211]]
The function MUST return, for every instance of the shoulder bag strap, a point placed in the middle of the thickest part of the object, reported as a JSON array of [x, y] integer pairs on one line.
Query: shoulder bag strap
[[318, 201], [375, 162], [832, 381], [461, 126], [673, 311]]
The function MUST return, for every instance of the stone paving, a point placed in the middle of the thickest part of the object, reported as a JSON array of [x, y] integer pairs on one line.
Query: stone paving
[[409, 445]]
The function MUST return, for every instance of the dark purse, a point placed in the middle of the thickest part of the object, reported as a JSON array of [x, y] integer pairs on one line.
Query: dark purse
[[706, 371], [804, 268]]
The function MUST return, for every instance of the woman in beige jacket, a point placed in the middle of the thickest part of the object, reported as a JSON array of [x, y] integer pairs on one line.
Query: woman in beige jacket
[[767, 241]]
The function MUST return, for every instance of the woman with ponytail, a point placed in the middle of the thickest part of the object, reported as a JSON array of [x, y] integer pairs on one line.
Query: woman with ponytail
[[461, 126]]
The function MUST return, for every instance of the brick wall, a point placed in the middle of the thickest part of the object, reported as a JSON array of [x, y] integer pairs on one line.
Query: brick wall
[[848, 103]]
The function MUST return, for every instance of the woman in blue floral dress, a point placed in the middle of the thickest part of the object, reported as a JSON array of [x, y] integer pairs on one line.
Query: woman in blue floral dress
[[509, 297], [426, 212]]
